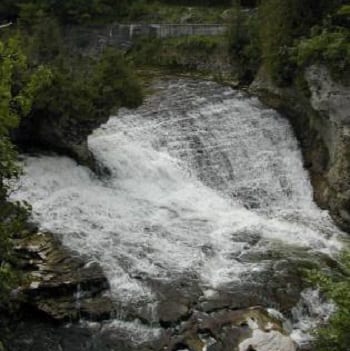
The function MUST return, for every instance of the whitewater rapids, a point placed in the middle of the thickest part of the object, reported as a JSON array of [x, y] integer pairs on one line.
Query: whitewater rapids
[[206, 187]]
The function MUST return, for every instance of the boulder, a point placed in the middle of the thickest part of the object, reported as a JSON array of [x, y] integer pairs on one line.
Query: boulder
[[266, 340], [231, 329], [60, 284]]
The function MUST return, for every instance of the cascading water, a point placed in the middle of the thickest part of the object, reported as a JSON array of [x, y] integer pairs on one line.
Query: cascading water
[[207, 200]]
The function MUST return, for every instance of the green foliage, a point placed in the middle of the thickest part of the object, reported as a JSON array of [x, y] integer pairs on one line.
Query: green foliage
[[276, 34], [243, 43], [18, 88], [114, 83], [328, 47], [202, 43], [288, 35], [68, 11], [344, 10], [44, 42], [85, 90], [12, 221], [178, 53], [81, 89], [281, 23], [335, 336]]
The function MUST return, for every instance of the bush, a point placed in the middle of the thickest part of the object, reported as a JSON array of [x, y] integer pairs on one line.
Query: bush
[[181, 52], [331, 48], [335, 336], [243, 43], [81, 89], [282, 22]]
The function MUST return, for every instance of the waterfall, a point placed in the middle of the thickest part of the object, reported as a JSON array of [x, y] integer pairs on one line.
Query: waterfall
[[206, 192]]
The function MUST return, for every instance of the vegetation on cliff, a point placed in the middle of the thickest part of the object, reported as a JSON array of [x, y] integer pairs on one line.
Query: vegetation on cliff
[[286, 36], [57, 97], [18, 88], [188, 54], [80, 96], [334, 336]]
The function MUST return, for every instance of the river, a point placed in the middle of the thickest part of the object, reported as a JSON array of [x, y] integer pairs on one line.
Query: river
[[206, 205]]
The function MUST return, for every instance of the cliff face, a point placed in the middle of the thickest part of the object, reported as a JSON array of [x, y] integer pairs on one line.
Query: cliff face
[[63, 135], [320, 115]]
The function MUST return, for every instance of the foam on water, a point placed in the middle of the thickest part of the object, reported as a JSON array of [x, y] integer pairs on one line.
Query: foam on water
[[196, 172]]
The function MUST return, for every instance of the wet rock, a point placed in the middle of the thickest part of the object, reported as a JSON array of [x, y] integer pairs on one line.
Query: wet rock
[[172, 311], [226, 330], [266, 340], [223, 330], [60, 284], [328, 97]]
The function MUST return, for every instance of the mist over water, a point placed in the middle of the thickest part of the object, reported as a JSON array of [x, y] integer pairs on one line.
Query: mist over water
[[207, 188]]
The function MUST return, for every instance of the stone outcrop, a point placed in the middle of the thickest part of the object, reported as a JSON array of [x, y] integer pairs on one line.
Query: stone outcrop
[[231, 330], [266, 340], [58, 284], [63, 135], [320, 115], [223, 330]]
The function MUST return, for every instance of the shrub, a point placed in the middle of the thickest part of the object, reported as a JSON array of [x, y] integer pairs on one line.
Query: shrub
[[329, 47], [282, 22], [335, 336], [243, 43], [18, 87]]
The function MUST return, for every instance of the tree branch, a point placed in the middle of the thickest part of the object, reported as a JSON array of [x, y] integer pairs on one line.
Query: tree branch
[[5, 25]]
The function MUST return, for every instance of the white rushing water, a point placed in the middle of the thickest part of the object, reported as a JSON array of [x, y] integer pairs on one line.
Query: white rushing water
[[203, 179]]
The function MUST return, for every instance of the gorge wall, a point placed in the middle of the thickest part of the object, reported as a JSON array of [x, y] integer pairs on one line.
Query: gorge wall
[[320, 115]]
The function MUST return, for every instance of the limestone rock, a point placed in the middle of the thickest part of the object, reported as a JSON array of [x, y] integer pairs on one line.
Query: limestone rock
[[322, 124], [228, 329], [270, 340], [328, 97], [59, 283]]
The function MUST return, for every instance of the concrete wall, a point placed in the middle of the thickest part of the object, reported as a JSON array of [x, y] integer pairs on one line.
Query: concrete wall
[[167, 30], [92, 39], [177, 30]]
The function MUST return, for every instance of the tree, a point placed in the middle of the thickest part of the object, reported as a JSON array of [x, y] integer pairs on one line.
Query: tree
[[17, 90]]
